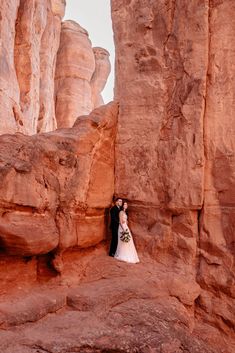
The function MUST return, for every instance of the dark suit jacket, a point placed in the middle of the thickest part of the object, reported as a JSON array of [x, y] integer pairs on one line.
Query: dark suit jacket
[[114, 213]]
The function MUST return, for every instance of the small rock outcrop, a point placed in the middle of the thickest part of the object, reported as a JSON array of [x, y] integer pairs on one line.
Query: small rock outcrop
[[55, 187]]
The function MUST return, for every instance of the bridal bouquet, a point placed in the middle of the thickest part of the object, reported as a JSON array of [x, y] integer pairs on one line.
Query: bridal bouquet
[[125, 236]]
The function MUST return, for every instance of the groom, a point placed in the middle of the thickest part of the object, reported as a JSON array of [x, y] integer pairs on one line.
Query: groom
[[114, 213]]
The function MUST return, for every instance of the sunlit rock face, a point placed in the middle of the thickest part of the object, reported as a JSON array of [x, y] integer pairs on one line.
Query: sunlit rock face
[[58, 7], [10, 114], [75, 67], [55, 186], [48, 56], [81, 74], [28, 64], [174, 157], [33, 90]]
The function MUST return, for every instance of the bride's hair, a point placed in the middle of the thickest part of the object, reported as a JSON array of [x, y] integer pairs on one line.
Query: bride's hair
[[123, 202]]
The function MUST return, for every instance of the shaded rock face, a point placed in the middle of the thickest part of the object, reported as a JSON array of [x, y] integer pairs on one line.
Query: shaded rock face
[[53, 193], [174, 158], [81, 74], [217, 236], [27, 103]]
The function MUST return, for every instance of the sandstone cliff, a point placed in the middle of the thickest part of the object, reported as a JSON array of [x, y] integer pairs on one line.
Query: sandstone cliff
[[175, 151], [81, 74]]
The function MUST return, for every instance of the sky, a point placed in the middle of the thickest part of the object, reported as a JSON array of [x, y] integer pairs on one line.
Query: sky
[[95, 17]]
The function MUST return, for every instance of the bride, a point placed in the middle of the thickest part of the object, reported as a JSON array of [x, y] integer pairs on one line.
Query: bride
[[126, 248]]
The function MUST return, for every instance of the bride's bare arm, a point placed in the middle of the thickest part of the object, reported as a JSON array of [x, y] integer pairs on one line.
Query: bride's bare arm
[[122, 217]]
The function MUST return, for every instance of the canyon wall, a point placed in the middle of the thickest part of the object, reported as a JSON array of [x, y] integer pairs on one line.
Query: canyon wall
[[216, 222], [174, 159]]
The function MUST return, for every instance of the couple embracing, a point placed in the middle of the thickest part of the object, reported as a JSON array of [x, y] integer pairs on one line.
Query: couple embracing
[[122, 245]]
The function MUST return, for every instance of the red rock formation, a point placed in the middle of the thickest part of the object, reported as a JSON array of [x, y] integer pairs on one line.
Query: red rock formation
[[174, 164], [27, 104], [161, 75], [107, 306], [100, 76], [160, 84], [55, 187], [30, 25], [10, 114], [74, 69], [217, 225], [174, 153], [48, 56], [36, 26], [81, 74]]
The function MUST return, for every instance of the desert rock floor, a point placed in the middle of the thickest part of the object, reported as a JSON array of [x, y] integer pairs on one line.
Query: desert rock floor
[[103, 305]]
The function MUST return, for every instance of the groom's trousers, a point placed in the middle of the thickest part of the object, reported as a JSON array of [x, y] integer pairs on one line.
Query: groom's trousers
[[114, 241]]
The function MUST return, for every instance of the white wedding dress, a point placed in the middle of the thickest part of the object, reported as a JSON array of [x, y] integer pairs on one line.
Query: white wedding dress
[[125, 251]]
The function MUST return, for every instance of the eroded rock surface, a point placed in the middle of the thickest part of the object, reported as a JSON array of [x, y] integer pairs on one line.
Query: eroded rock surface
[[174, 147], [48, 56], [100, 76], [28, 65], [217, 236], [174, 164], [74, 70], [104, 306], [81, 74], [55, 187], [10, 114], [32, 91]]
